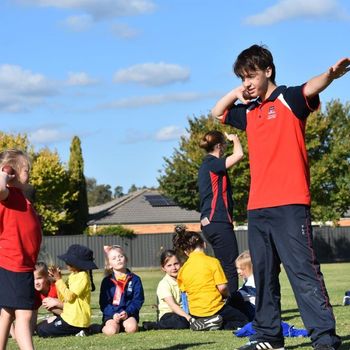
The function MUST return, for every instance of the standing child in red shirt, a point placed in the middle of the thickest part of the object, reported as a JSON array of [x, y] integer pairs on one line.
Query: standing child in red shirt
[[20, 239]]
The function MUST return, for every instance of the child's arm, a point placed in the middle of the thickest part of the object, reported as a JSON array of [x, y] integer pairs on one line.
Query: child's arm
[[228, 100], [53, 304], [317, 84], [62, 288], [223, 289], [237, 152], [176, 308], [4, 179], [137, 298]]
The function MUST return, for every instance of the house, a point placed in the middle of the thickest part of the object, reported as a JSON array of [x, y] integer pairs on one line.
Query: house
[[144, 211]]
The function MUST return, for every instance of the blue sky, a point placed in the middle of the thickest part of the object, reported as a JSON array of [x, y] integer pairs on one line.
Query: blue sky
[[125, 75]]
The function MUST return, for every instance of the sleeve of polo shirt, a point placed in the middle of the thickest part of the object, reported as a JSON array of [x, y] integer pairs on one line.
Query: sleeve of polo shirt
[[299, 104], [236, 116], [217, 165], [219, 275], [163, 290], [180, 281]]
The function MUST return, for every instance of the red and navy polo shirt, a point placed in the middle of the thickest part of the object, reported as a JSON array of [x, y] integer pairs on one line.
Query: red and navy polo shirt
[[215, 190], [276, 142]]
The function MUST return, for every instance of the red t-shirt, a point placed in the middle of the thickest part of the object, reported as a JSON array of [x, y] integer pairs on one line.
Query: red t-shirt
[[278, 161], [39, 297], [20, 233]]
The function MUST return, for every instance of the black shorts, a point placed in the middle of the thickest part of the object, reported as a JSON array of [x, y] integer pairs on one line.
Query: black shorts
[[17, 290]]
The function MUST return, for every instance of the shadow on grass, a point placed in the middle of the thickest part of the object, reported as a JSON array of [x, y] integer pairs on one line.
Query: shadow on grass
[[345, 344], [292, 314], [182, 346]]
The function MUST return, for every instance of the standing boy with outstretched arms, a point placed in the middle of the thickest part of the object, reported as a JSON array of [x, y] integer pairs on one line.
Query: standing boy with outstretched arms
[[279, 221]]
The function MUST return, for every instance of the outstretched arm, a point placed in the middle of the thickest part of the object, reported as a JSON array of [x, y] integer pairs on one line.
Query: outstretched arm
[[317, 84]]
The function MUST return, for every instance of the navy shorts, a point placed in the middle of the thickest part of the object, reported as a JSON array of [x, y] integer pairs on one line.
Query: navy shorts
[[57, 328], [17, 290]]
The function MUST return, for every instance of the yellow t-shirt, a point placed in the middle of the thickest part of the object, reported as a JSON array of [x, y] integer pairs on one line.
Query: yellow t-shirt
[[198, 277], [76, 295], [167, 287]]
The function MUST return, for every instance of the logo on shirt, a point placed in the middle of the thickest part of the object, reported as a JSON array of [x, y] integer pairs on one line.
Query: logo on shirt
[[271, 114], [130, 286]]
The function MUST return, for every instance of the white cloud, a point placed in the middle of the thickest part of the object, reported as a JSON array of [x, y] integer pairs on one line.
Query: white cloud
[[100, 9], [80, 79], [287, 9], [169, 133], [124, 31], [136, 102], [48, 134], [152, 74], [21, 90], [78, 23]]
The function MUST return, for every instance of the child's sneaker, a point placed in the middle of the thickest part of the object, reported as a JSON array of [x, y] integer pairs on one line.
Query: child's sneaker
[[262, 345], [346, 300], [212, 323], [81, 334]]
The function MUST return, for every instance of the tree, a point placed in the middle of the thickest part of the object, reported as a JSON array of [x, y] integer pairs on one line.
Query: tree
[[51, 183], [118, 192], [78, 205], [328, 144], [179, 177], [132, 188], [97, 194], [327, 140]]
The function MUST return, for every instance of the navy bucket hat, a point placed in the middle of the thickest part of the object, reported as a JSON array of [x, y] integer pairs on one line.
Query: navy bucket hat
[[80, 257]]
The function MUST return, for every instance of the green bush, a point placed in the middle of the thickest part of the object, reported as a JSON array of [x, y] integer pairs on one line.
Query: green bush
[[116, 230]]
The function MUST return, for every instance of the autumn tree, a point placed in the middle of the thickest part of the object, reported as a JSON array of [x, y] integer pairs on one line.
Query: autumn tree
[[51, 182]]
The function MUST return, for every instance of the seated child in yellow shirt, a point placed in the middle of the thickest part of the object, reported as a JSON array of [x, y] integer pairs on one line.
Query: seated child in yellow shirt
[[204, 281]]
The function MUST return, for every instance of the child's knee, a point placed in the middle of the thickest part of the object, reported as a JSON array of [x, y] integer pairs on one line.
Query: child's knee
[[131, 327], [110, 328]]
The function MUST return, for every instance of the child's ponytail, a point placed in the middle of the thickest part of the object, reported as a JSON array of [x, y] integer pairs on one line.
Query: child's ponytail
[[186, 241]]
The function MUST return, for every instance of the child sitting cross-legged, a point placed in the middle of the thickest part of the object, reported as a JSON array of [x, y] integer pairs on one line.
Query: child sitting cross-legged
[[244, 298], [203, 280], [121, 294], [76, 294], [172, 313]]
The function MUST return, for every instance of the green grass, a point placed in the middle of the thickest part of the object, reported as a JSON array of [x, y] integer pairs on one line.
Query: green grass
[[337, 278]]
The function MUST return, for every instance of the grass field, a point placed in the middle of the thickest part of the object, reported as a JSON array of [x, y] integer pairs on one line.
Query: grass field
[[337, 278]]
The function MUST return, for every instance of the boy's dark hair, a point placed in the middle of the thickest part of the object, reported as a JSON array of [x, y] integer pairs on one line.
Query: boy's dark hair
[[254, 58], [210, 139], [186, 241]]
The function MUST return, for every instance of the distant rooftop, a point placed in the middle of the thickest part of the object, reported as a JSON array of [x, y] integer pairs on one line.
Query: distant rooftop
[[141, 207]]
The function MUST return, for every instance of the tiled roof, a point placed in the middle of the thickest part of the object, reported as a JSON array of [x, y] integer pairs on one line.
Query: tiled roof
[[135, 209]]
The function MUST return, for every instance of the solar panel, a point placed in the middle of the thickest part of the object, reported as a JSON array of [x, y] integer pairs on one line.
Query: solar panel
[[160, 201]]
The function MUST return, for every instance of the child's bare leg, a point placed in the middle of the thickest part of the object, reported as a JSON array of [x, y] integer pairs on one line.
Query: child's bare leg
[[6, 318], [130, 325], [111, 327], [12, 331], [23, 329]]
